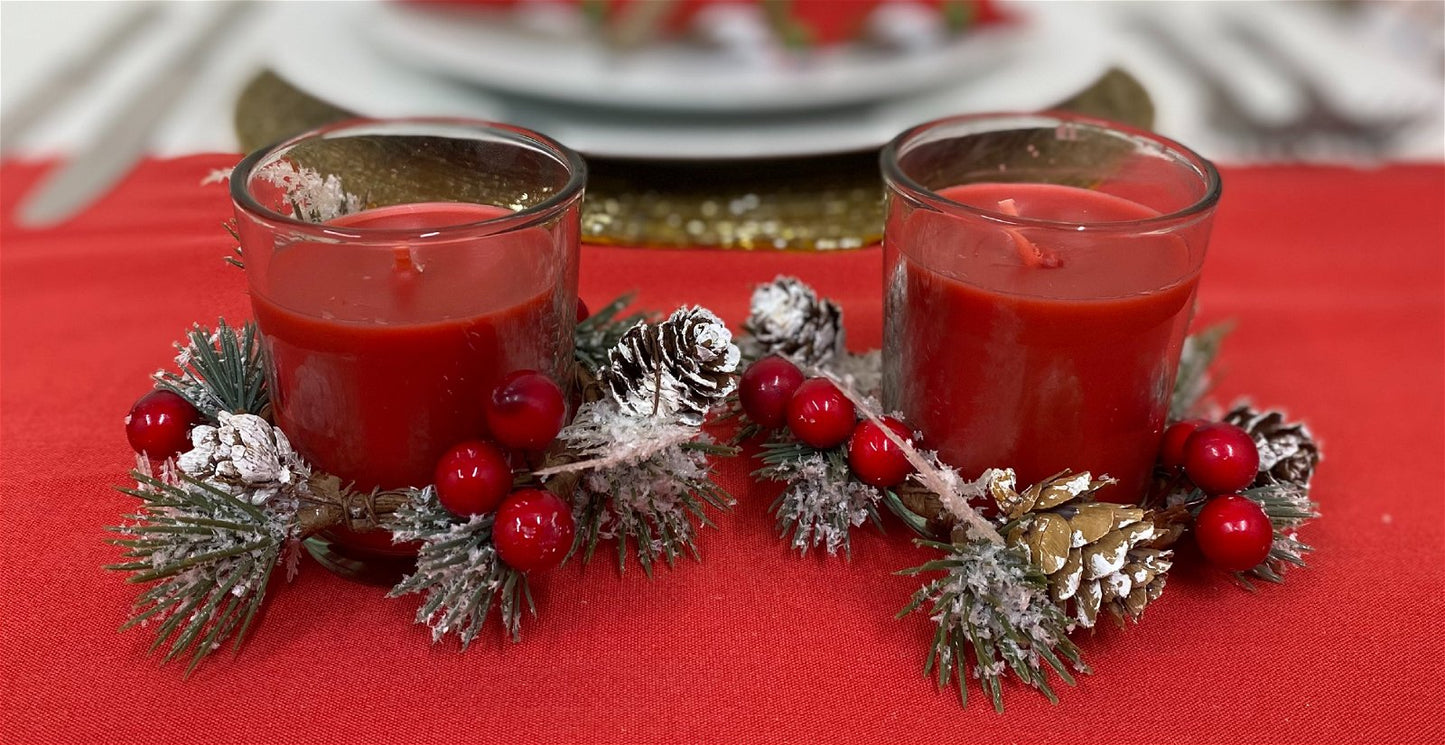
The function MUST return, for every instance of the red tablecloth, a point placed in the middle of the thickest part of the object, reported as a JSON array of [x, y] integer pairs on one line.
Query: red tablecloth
[[1335, 277]]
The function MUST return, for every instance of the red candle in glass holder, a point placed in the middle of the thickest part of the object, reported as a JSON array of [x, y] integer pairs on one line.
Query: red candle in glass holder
[[387, 329], [1037, 325], [382, 363]]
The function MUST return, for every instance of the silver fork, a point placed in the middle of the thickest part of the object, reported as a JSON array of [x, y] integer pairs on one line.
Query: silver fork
[[1320, 128], [1373, 136]]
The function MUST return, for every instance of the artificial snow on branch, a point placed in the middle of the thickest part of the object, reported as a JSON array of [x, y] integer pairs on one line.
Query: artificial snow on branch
[[457, 570]]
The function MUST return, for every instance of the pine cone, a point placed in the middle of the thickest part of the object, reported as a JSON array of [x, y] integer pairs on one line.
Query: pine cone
[[681, 367], [245, 456], [788, 318], [1095, 554], [1287, 452]]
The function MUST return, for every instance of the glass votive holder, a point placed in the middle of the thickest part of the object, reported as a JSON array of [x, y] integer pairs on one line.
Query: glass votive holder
[[398, 271], [1040, 274]]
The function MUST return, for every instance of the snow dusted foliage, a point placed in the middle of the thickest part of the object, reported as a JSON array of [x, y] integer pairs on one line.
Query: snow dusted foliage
[[643, 481], [209, 553], [822, 502], [992, 605], [457, 570]]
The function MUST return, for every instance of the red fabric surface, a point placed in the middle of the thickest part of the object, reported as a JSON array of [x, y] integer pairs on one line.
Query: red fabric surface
[[1335, 277]]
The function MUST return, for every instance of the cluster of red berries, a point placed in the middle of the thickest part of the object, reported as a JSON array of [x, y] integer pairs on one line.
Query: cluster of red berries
[[774, 393], [1232, 531], [159, 424], [533, 528]]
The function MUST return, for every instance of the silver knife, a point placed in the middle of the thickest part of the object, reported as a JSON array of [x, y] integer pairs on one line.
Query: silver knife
[[73, 74], [96, 168]]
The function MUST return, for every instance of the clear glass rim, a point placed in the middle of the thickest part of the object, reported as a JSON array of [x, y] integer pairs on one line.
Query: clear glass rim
[[896, 179], [542, 212]]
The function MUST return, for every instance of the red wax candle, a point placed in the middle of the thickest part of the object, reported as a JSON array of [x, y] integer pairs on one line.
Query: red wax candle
[[1057, 351], [1040, 272], [381, 360], [381, 363], [387, 329]]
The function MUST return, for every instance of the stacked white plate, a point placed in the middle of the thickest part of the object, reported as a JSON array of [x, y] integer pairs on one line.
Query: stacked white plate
[[536, 66]]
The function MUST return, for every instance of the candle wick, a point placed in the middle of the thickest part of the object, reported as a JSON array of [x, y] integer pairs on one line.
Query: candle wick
[[1031, 254]]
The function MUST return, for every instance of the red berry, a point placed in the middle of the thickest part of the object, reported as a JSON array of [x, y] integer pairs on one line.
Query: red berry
[[526, 411], [583, 312], [534, 530], [472, 478], [159, 424], [1171, 447], [1233, 532], [874, 458], [765, 389], [820, 415], [1220, 458]]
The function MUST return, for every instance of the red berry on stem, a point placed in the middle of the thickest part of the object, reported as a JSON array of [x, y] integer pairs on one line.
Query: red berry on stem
[[526, 411], [472, 478], [534, 530], [765, 389], [1220, 458], [820, 415], [1233, 532], [876, 459], [1171, 447], [159, 424]]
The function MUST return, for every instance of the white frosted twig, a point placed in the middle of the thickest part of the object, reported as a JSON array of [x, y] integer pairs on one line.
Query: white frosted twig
[[942, 482], [630, 453]]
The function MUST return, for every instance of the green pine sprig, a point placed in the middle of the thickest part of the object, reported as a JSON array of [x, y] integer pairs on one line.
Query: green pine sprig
[[458, 571], [237, 258], [221, 370], [649, 508], [1193, 380], [210, 555], [822, 502], [599, 333], [1288, 507], [992, 605]]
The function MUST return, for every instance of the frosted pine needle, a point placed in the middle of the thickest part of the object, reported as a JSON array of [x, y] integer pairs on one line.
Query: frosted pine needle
[[822, 502], [644, 481], [220, 370], [992, 605], [458, 571], [210, 555]]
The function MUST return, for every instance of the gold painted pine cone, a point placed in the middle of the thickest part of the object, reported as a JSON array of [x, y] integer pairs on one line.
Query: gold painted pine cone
[[1096, 555]]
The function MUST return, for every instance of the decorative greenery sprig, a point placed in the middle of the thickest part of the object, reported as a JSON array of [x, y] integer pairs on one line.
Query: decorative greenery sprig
[[992, 604], [822, 502], [1288, 506], [1193, 381], [458, 570], [640, 481], [210, 555], [220, 370]]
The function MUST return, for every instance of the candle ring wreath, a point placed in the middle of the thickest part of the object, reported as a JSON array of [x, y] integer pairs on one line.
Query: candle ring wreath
[[225, 500]]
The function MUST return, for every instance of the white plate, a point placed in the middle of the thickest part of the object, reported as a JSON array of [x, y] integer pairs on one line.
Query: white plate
[[1050, 62], [495, 49]]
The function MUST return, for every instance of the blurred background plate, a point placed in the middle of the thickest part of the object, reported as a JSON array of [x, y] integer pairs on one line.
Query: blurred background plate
[[717, 57], [1041, 62]]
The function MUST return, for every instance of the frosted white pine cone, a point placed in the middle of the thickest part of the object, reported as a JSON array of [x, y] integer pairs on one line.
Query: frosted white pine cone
[[787, 318], [680, 368], [246, 456]]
